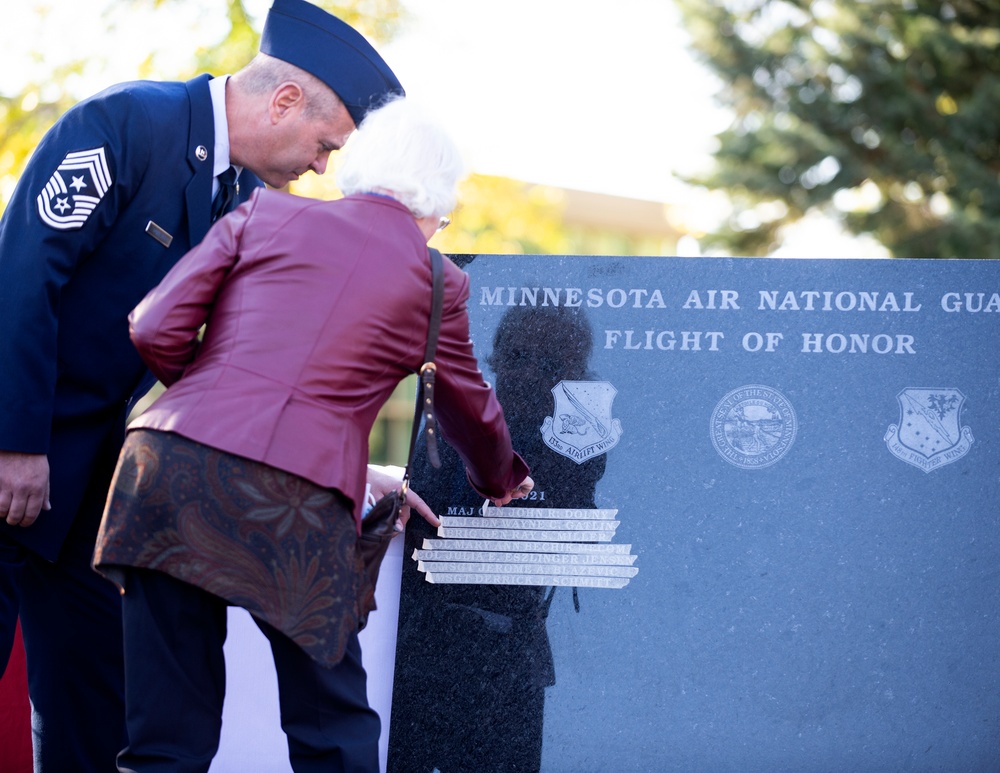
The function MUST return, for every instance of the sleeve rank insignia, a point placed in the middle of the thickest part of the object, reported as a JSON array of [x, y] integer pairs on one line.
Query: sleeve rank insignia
[[75, 189]]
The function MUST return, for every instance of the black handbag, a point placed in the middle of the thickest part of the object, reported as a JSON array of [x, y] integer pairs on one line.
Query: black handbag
[[378, 527]]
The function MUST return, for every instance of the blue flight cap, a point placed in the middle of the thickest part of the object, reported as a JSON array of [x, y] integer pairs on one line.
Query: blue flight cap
[[305, 35]]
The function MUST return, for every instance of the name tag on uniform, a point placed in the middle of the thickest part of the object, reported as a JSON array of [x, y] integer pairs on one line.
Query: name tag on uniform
[[159, 234]]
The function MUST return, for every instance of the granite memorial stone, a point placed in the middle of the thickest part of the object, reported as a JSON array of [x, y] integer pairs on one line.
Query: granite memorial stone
[[763, 536]]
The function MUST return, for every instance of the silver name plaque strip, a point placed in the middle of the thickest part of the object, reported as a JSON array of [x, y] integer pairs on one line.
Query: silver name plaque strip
[[527, 523], [563, 571], [529, 534], [486, 557], [575, 514], [457, 578], [521, 547]]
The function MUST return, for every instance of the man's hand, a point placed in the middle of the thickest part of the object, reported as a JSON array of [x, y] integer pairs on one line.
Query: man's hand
[[515, 493], [385, 479], [24, 487]]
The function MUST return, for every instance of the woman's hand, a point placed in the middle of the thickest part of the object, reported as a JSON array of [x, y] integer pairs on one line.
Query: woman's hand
[[385, 479], [520, 492]]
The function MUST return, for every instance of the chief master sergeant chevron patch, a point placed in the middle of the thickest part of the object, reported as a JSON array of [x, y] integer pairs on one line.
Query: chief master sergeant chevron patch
[[75, 189]]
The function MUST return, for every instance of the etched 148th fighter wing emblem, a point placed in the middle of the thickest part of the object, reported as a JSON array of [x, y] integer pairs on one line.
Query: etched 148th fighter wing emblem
[[75, 189], [929, 433]]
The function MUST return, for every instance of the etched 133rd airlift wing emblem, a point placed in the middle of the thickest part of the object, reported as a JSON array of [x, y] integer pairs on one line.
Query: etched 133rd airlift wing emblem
[[581, 426], [929, 434]]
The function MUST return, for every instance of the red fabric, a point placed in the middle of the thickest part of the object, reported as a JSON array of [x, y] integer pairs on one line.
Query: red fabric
[[15, 714]]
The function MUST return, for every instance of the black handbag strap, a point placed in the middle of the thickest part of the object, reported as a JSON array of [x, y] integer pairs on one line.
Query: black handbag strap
[[437, 304], [424, 408]]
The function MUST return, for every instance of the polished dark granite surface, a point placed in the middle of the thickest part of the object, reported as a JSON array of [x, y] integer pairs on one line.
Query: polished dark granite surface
[[802, 460]]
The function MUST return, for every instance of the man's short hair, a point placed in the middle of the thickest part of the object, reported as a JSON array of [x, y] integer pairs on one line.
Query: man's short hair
[[265, 73]]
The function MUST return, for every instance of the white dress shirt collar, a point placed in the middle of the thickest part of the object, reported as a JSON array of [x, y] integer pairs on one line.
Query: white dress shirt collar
[[217, 90]]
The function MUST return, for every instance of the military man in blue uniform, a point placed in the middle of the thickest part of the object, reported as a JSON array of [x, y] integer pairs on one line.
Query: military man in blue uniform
[[117, 191]]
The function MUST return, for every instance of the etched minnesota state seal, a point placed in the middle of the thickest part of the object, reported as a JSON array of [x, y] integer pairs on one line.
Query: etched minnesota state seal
[[929, 434], [753, 426], [581, 426]]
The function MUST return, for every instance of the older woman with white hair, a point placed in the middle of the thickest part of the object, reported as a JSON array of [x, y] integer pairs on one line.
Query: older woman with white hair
[[244, 483]]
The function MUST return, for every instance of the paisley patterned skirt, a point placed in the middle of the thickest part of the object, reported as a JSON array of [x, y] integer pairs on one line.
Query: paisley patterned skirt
[[271, 542]]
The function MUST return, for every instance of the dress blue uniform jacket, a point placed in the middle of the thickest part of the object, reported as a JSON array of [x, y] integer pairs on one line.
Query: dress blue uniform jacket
[[117, 191]]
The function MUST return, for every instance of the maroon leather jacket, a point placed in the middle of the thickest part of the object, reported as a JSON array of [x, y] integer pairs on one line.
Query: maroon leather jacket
[[315, 310]]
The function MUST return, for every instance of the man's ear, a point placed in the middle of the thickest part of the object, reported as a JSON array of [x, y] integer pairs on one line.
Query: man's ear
[[287, 99]]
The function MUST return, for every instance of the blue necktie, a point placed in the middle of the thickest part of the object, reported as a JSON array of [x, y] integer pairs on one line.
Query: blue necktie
[[226, 196]]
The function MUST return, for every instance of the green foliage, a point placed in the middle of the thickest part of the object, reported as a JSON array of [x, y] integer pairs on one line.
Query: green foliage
[[25, 117], [882, 113], [499, 215]]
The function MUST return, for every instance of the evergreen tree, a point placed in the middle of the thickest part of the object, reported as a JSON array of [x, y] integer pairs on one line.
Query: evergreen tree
[[884, 114]]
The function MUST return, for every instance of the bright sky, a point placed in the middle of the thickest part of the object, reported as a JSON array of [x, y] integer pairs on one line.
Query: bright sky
[[580, 94]]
